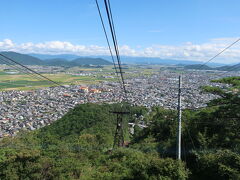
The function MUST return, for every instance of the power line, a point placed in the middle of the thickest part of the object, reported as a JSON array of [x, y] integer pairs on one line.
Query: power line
[[106, 36], [111, 24], [115, 37], [220, 52], [231, 69], [29, 69], [115, 43], [110, 11], [10, 64], [119, 137]]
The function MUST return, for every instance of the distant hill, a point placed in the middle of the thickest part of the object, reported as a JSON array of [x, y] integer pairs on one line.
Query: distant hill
[[198, 66], [235, 67], [152, 60], [77, 62], [30, 60], [156, 60], [57, 56], [22, 58], [127, 59], [93, 61], [69, 60], [221, 68], [60, 62]]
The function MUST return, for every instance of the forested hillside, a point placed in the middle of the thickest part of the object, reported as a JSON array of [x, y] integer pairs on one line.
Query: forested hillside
[[210, 139], [21, 58], [79, 145], [31, 60]]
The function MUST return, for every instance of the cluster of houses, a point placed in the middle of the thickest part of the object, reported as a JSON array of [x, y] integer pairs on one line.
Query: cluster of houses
[[30, 110], [85, 89]]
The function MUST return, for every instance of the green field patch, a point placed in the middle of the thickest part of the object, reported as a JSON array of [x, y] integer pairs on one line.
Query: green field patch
[[3, 73], [4, 85], [22, 83], [26, 82]]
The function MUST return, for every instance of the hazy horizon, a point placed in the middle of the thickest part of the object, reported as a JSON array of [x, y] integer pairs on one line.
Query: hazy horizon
[[184, 30]]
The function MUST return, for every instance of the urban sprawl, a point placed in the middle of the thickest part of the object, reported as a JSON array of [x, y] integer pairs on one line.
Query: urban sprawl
[[30, 110]]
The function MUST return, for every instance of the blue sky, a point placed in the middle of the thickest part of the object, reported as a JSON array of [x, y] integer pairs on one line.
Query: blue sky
[[157, 28]]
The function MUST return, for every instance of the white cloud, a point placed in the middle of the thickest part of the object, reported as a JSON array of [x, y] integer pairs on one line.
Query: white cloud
[[186, 51], [6, 44]]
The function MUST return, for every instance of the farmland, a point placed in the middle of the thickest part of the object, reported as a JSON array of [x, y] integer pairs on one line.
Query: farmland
[[11, 79], [14, 80]]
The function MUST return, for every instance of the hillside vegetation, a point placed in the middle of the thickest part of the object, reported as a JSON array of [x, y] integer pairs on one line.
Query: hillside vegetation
[[79, 145], [210, 139], [21, 58]]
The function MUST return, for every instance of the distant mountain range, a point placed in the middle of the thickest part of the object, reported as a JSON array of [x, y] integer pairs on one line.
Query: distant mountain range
[[152, 60], [198, 67], [76, 62], [235, 67], [30, 60], [22, 58], [69, 60], [61, 56], [128, 60]]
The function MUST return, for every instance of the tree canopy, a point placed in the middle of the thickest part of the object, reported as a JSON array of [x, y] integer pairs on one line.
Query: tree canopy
[[79, 145]]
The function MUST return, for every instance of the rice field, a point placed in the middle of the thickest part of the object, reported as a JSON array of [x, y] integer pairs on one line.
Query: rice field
[[26, 82]]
